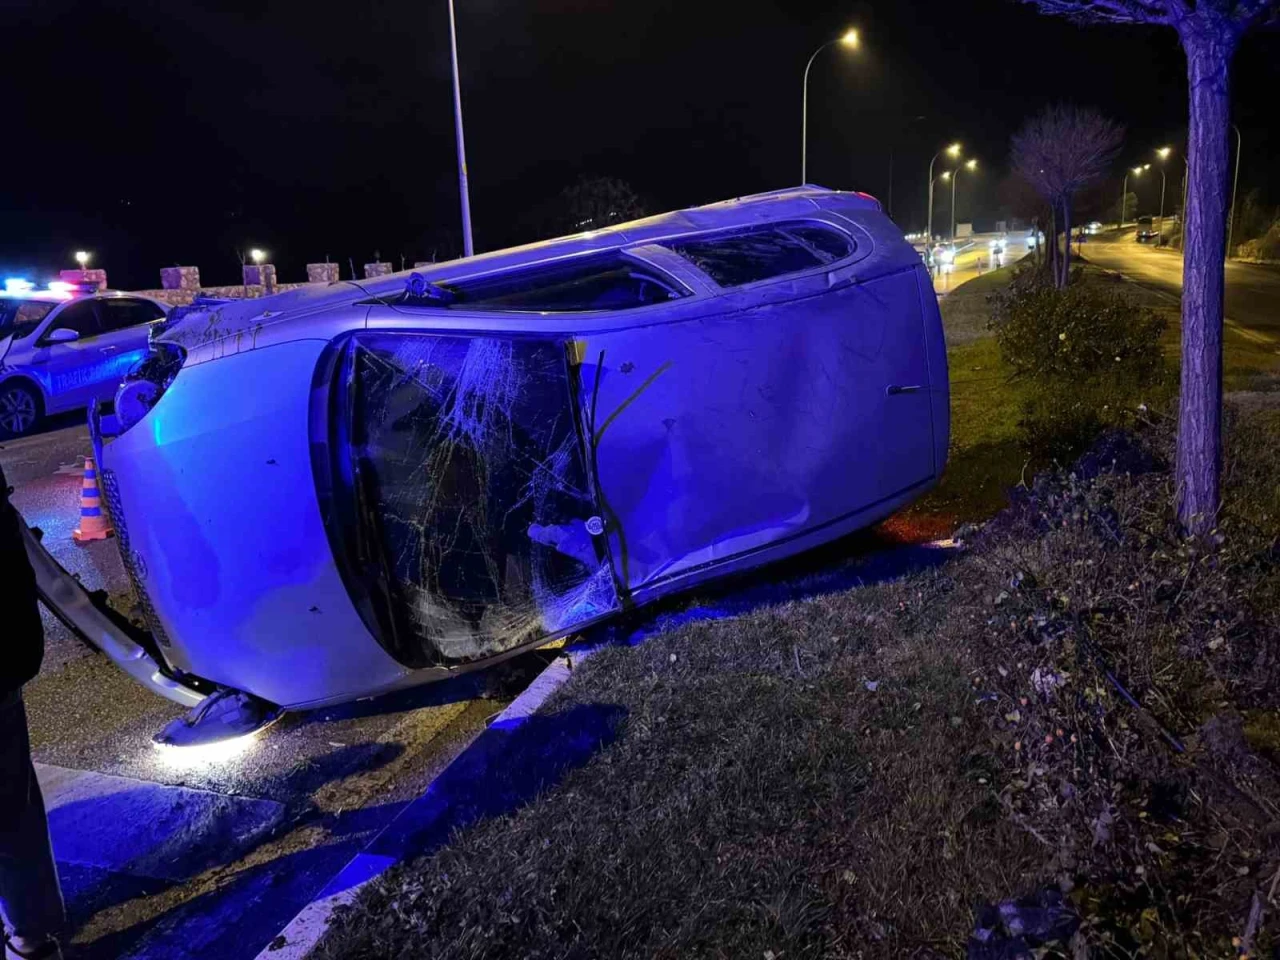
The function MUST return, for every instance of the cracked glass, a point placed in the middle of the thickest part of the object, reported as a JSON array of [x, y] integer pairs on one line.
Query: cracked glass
[[477, 528]]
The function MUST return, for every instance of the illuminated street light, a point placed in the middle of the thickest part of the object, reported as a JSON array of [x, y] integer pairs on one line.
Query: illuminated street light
[[971, 166], [257, 256], [952, 151], [848, 39], [82, 258]]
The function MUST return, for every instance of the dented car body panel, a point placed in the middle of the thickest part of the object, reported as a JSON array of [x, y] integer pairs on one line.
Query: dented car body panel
[[353, 488]]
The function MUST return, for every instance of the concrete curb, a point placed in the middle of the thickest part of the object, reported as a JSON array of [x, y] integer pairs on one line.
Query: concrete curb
[[304, 932]]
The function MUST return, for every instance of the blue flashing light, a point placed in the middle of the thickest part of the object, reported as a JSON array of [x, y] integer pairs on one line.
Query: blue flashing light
[[14, 285]]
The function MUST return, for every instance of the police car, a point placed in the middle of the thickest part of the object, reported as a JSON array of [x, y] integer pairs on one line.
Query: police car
[[65, 347]]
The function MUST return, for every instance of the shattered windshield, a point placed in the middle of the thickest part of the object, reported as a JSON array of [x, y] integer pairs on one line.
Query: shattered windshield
[[21, 317], [470, 493]]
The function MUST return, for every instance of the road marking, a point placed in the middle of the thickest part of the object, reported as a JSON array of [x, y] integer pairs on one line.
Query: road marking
[[1234, 325]]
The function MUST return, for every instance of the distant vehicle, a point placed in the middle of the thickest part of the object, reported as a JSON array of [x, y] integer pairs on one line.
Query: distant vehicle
[[944, 256], [1146, 230], [1093, 227], [344, 490], [66, 348], [1035, 238]]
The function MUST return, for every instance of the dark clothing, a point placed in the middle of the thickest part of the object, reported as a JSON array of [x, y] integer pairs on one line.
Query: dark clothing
[[30, 898], [22, 640]]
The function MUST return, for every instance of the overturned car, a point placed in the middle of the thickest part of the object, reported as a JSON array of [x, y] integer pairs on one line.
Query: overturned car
[[348, 489]]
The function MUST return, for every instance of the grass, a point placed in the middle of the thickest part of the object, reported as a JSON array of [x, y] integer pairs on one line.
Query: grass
[[856, 774]]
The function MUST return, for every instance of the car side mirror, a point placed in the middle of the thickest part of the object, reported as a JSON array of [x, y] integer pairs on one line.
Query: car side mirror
[[62, 335]]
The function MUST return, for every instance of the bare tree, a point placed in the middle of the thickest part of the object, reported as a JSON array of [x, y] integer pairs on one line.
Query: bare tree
[[595, 202], [1210, 32], [1058, 153]]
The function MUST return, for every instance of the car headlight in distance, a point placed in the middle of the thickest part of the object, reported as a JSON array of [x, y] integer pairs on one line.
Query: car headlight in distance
[[947, 256], [146, 383]]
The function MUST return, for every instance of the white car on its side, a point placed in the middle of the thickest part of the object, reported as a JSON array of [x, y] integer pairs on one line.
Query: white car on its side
[[353, 488]]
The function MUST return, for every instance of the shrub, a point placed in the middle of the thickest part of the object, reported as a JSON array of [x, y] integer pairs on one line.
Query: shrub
[[1089, 359]]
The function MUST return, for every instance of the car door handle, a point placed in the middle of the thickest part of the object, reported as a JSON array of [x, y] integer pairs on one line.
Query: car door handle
[[894, 389]]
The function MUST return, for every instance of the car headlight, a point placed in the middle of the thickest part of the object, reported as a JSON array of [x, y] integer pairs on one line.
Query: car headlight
[[146, 383]]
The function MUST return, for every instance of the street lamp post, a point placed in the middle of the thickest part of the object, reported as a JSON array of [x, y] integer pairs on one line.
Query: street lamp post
[[468, 248], [1124, 190], [848, 39], [1163, 154], [952, 151], [971, 165], [1231, 220]]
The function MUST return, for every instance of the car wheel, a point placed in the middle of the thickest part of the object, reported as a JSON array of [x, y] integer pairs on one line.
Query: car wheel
[[20, 409]]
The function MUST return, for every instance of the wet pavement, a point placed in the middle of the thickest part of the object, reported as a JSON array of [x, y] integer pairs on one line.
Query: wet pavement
[[173, 855]]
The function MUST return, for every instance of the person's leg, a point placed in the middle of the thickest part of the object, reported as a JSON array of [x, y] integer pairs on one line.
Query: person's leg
[[30, 898]]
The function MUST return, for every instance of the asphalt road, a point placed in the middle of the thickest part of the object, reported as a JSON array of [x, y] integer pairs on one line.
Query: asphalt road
[[1253, 290], [164, 857], [975, 259]]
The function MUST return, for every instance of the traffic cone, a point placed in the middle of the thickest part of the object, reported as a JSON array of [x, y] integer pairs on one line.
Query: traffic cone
[[93, 521]]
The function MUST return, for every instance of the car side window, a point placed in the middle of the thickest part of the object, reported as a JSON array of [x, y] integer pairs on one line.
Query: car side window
[[732, 259], [80, 317], [598, 283], [117, 313]]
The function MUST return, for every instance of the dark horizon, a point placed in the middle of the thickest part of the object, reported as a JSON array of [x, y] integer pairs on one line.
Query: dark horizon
[[174, 133]]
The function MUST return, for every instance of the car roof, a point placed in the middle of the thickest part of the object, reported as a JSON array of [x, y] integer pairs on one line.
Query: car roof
[[51, 296], [242, 321]]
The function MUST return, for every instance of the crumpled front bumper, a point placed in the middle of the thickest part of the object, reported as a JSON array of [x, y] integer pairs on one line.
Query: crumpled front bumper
[[71, 603]]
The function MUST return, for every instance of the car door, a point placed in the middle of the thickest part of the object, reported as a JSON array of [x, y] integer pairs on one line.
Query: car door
[[789, 407], [67, 370], [126, 326]]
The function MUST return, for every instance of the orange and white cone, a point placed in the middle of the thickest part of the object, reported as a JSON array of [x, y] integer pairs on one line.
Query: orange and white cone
[[93, 520]]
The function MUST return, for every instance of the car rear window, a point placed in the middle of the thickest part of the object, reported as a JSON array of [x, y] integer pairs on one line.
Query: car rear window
[[599, 283], [732, 259]]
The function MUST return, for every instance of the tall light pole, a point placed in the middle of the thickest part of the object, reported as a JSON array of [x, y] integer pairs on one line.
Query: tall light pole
[[952, 151], [848, 39], [1124, 191], [468, 248], [1163, 154], [971, 165], [1231, 220], [1182, 218]]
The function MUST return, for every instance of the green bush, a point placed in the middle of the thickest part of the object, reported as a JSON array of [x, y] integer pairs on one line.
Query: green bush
[[1089, 359]]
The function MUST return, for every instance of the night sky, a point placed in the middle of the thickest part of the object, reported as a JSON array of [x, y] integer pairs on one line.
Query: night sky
[[156, 132]]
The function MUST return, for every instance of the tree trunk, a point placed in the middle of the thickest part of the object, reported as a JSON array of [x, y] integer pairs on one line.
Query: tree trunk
[[1065, 272], [1209, 40], [1051, 243]]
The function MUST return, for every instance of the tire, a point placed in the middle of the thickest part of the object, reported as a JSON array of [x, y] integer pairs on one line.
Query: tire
[[21, 409]]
